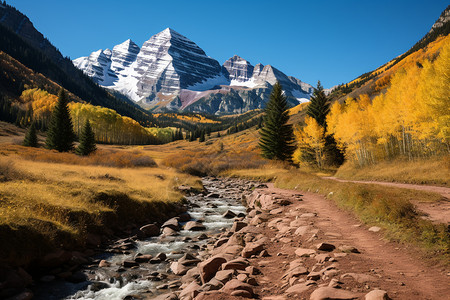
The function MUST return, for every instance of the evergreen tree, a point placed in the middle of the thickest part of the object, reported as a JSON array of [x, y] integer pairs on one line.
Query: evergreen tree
[[31, 139], [319, 106], [87, 140], [60, 135], [277, 137]]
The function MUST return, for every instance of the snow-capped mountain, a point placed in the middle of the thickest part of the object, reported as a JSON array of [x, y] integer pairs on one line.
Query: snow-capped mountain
[[170, 72]]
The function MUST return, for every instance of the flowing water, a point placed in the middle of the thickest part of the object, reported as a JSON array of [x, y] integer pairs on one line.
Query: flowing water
[[115, 282]]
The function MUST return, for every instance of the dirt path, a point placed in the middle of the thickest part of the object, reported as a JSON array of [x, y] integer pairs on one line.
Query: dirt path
[[397, 268], [438, 212]]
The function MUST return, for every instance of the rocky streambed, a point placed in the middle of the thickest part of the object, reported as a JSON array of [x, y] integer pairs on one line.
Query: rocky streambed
[[156, 260]]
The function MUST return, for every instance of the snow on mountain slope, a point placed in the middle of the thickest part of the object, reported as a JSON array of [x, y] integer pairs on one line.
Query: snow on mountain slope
[[169, 63]]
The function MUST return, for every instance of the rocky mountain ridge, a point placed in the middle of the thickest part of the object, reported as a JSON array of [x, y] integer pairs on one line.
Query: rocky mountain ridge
[[170, 73]]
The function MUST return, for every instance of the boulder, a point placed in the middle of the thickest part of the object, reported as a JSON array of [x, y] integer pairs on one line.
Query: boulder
[[325, 247], [238, 226], [184, 217], [325, 293], [103, 263], [143, 258], [209, 267], [224, 275], [172, 223], [229, 214], [297, 289], [168, 231], [130, 264], [149, 230], [188, 260], [377, 295], [236, 285], [235, 264], [194, 226], [190, 291], [212, 285], [178, 268], [252, 249], [304, 252]]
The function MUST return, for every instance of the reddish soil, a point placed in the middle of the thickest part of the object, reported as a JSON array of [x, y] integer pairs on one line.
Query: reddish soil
[[398, 269], [437, 212]]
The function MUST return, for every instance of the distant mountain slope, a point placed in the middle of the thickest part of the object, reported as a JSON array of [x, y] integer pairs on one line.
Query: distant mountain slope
[[376, 81], [171, 73], [23, 42]]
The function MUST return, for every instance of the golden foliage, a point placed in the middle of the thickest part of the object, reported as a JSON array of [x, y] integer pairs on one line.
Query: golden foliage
[[411, 119]]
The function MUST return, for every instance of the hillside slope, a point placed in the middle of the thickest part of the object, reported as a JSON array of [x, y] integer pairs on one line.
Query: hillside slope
[[23, 42]]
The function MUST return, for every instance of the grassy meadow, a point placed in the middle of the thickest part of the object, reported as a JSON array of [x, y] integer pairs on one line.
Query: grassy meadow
[[50, 199]]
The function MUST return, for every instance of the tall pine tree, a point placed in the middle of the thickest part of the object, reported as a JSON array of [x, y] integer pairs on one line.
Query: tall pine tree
[[31, 139], [60, 135], [87, 140], [319, 106], [277, 137]]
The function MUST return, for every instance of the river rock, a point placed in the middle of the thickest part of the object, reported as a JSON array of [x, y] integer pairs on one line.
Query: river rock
[[172, 224], [377, 295], [190, 291], [149, 230], [237, 226], [325, 293], [236, 285], [209, 267], [235, 264], [178, 268], [194, 226], [143, 258], [188, 260], [229, 214], [168, 231], [103, 264], [212, 285], [191, 275], [184, 217], [224, 275], [129, 263]]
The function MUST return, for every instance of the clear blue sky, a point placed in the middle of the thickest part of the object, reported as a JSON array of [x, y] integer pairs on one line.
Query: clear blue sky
[[334, 41]]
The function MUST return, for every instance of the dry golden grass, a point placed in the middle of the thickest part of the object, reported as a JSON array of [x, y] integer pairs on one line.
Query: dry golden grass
[[102, 157], [433, 171], [44, 204]]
